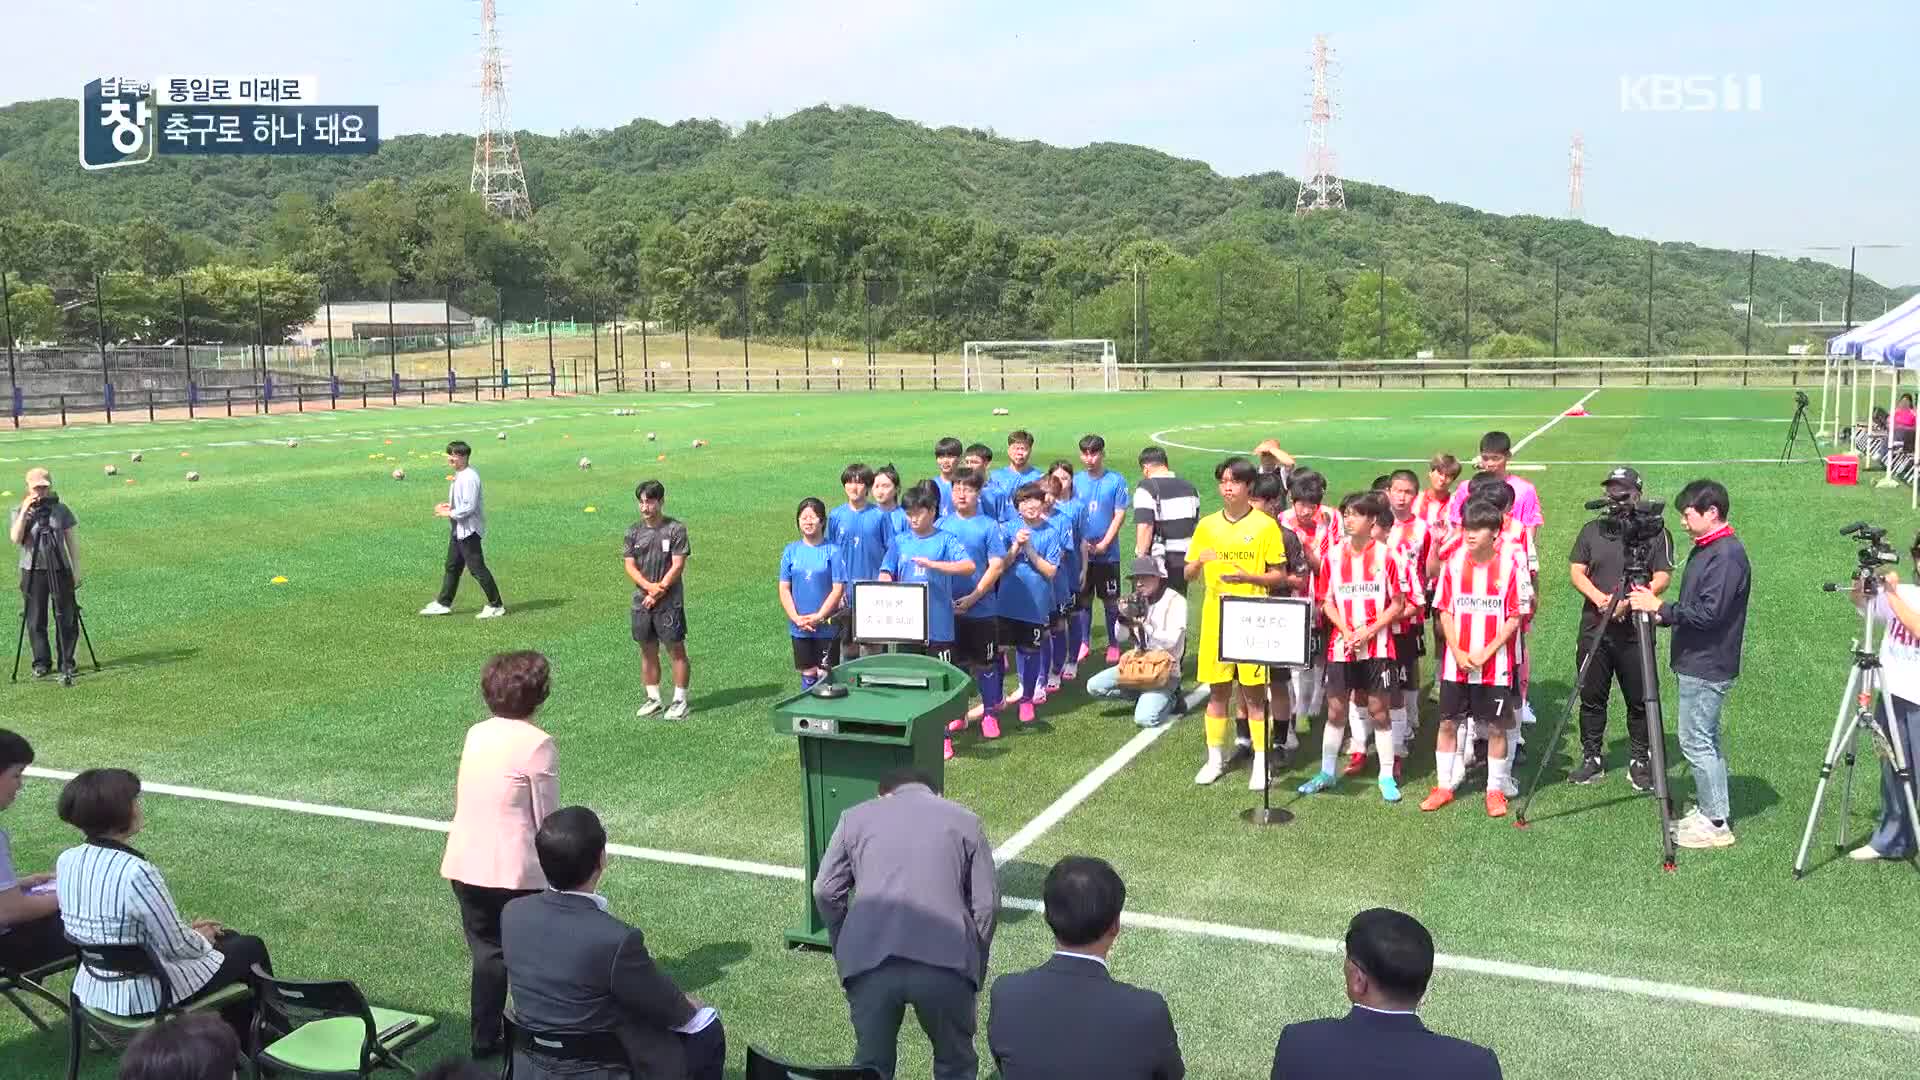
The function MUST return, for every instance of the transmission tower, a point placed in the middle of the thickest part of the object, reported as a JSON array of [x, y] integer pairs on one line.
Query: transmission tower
[[1322, 190], [497, 175], [1576, 178]]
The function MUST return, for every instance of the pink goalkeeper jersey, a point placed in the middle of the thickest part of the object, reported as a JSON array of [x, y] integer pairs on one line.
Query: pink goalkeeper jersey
[[1526, 503]]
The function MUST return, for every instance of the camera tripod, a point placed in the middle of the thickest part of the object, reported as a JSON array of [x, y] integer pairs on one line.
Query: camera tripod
[[42, 542], [1636, 574], [1798, 426], [1865, 713]]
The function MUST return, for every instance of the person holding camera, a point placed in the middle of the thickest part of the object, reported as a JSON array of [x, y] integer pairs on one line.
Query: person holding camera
[[42, 527], [1897, 607], [1597, 566], [1709, 623], [1153, 620]]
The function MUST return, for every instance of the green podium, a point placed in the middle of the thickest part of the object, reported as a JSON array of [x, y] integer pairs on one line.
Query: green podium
[[894, 715]]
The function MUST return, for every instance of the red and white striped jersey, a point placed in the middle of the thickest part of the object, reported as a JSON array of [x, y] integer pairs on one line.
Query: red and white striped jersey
[[1479, 597], [1320, 534], [1414, 588], [1360, 585], [1514, 537], [1432, 509]]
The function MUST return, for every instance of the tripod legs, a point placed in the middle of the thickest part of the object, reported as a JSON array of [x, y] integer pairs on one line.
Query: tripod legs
[[1840, 743]]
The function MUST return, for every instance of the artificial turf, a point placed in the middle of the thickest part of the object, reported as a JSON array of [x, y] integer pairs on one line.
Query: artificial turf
[[329, 689]]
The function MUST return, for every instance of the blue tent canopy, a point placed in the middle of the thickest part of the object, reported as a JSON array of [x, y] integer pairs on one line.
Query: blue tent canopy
[[1895, 325]]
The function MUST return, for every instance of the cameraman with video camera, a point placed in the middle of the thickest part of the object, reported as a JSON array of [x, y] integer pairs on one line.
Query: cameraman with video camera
[[42, 527], [1153, 620], [1709, 624], [1597, 566]]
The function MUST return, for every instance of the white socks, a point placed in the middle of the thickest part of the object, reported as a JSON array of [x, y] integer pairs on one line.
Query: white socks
[[1402, 729], [679, 693], [1383, 741], [1445, 762], [1330, 738], [1359, 725], [653, 693]]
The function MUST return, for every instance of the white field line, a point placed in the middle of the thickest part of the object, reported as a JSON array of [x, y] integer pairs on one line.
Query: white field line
[[1548, 426], [1079, 792], [1720, 999]]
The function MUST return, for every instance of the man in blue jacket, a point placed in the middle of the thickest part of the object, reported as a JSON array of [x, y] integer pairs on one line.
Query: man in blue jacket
[[1709, 622]]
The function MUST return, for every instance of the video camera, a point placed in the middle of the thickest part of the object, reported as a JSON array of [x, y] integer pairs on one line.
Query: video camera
[[1635, 524], [1874, 551], [1134, 605]]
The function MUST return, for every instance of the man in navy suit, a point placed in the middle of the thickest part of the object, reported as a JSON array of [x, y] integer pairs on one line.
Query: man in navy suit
[[1068, 1017], [1389, 961]]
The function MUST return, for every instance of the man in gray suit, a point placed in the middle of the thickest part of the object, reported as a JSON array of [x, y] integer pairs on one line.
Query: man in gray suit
[[1068, 1019], [573, 966], [921, 921]]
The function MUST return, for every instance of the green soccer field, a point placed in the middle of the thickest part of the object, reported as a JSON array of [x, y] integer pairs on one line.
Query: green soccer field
[[1567, 948]]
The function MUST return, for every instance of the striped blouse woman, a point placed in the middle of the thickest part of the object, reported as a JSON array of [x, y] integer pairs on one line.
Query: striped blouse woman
[[111, 895]]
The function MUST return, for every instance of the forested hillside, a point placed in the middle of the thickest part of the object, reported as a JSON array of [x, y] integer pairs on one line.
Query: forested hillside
[[937, 235]]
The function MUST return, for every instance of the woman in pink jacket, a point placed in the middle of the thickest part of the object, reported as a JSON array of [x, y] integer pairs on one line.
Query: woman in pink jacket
[[506, 788]]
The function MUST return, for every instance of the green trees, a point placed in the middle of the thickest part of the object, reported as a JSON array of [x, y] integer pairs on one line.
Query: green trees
[[830, 221]]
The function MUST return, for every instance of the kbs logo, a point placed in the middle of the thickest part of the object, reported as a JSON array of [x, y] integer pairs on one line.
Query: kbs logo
[[1690, 93]]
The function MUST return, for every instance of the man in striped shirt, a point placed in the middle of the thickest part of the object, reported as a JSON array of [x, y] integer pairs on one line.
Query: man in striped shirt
[[1165, 511], [1483, 596], [1364, 598]]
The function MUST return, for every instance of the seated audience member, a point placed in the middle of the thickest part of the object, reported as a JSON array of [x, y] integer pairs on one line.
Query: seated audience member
[[1903, 423], [573, 966], [1389, 961], [190, 1046], [1069, 1018], [30, 934], [111, 895]]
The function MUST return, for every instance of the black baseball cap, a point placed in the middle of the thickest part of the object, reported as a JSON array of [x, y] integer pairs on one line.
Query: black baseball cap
[[1622, 475]]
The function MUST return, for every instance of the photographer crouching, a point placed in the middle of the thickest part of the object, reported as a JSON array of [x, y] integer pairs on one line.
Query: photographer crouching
[[1709, 623], [42, 527], [1154, 620], [1597, 566]]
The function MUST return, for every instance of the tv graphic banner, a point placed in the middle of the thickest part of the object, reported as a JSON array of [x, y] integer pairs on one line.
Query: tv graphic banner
[[126, 121]]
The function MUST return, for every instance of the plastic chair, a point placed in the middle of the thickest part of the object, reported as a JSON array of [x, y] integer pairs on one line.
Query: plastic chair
[[123, 963], [33, 981], [764, 1066], [602, 1048], [331, 1031]]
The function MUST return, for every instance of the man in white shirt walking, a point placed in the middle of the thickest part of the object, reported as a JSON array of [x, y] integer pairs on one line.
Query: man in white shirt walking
[[467, 513]]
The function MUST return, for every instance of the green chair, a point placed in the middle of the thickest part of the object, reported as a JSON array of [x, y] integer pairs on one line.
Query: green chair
[[122, 963], [331, 1031], [764, 1066], [33, 981]]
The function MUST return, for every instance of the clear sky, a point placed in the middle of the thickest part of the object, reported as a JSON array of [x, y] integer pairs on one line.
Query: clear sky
[[1469, 102]]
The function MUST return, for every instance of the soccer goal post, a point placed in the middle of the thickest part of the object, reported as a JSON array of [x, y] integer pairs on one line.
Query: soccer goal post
[[1063, 364]]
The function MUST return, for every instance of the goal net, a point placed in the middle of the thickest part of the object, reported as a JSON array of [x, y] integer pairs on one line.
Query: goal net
[[1076, 364]]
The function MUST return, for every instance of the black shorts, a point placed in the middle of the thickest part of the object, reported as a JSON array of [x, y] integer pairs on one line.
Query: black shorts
[[1348, 675], [1489, 706], [1409, 648], [939, 650], [815, 652], [668, 624], [1015, 634], [1103, 580], [974, 641]]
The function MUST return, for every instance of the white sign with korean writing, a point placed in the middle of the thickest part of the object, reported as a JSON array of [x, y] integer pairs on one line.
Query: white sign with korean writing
[[890, 612], [1271, 630], [176, 90]]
